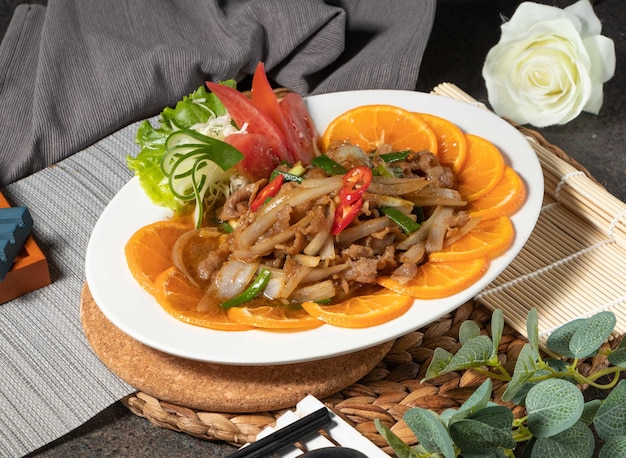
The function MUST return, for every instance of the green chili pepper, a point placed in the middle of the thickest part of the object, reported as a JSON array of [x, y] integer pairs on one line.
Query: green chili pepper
[[328, 165], [381, 171], [257, 287], [286, 175], [403, 221], [293, 174], [324, 301], [226, 227], [395, 156]]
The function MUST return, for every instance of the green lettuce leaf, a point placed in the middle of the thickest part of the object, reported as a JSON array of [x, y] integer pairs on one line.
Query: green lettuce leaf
[[194, 108]]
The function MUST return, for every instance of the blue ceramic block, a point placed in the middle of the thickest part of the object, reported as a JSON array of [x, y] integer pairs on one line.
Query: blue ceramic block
[[15, 226]]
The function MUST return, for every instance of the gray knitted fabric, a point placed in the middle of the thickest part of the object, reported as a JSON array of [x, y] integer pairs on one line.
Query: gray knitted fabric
[[75, 76], [78, 70]]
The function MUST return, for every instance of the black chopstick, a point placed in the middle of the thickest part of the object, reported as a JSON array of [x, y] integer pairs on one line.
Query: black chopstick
[[285, 436]]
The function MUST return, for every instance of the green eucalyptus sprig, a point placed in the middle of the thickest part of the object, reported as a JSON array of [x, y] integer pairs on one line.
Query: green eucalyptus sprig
[[558, 422]]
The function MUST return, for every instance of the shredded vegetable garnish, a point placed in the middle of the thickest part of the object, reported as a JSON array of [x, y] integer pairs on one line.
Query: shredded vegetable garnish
[[218, 127], [196, 118], [195, 165]]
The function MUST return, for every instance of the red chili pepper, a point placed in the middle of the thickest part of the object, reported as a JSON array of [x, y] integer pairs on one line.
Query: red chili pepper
[[270, 190], [344, 214], [355, 183]]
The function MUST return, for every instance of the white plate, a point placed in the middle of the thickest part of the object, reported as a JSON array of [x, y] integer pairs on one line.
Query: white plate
[[136, 313]]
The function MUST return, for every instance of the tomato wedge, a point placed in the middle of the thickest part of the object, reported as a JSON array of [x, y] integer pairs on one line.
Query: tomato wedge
[[301, 125], [243, 111], [282, 131], [261, 154], [264, 98]]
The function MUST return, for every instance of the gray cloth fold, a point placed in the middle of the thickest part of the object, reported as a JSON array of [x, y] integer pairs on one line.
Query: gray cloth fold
[[74, 77], [77, 70]]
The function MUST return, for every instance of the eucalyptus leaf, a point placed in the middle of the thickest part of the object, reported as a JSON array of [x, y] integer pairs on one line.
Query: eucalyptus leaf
[[559, 365], [588, 338], [476, 352], [519, 397], [614, 447], [576, 441], [532, 331], [401, 448], [485, 431], [590, 410], [553, 406], [448, 415], [475, 435], [618, 357], [558, 341], [610, 419], [430, 431], [497, 416], [467, 331], [525, 368], [497, 328], [478, 400], [438, 363]]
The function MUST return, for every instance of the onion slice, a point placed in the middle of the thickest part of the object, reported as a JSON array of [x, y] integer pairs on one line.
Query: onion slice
[[316, 292], [266, 215], [233, 278]]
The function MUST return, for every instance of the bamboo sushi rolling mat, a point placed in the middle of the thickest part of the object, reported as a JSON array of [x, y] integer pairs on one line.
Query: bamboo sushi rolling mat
[[572, 266]]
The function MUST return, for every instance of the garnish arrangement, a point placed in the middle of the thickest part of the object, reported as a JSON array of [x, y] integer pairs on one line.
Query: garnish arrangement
[[557, 422], [278, 227]]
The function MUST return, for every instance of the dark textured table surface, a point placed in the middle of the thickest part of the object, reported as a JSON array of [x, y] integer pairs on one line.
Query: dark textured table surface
[[463, 32]]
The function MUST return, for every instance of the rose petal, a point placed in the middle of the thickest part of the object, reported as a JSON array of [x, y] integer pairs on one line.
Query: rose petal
[[529, 14], [594, 103], [601, 51], [583, 10]]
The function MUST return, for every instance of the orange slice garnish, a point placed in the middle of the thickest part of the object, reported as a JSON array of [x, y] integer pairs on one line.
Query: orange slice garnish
[[451, 141], [269, 316], [489, 238], [180, 298], [149, 250], [484, 166], [370, 126], [362, 311], [439, 279], [506, 198]]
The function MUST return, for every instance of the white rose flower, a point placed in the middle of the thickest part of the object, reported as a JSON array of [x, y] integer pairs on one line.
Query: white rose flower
[[549, 64]]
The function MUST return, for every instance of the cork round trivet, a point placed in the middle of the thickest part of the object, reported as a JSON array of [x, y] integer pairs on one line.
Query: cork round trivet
[[217, 387]]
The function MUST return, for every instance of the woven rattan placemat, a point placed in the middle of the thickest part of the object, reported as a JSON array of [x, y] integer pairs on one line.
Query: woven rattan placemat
[[580, 235]]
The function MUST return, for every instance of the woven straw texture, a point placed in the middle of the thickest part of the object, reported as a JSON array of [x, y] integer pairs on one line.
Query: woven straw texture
[[577, 249], [574, 262]]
